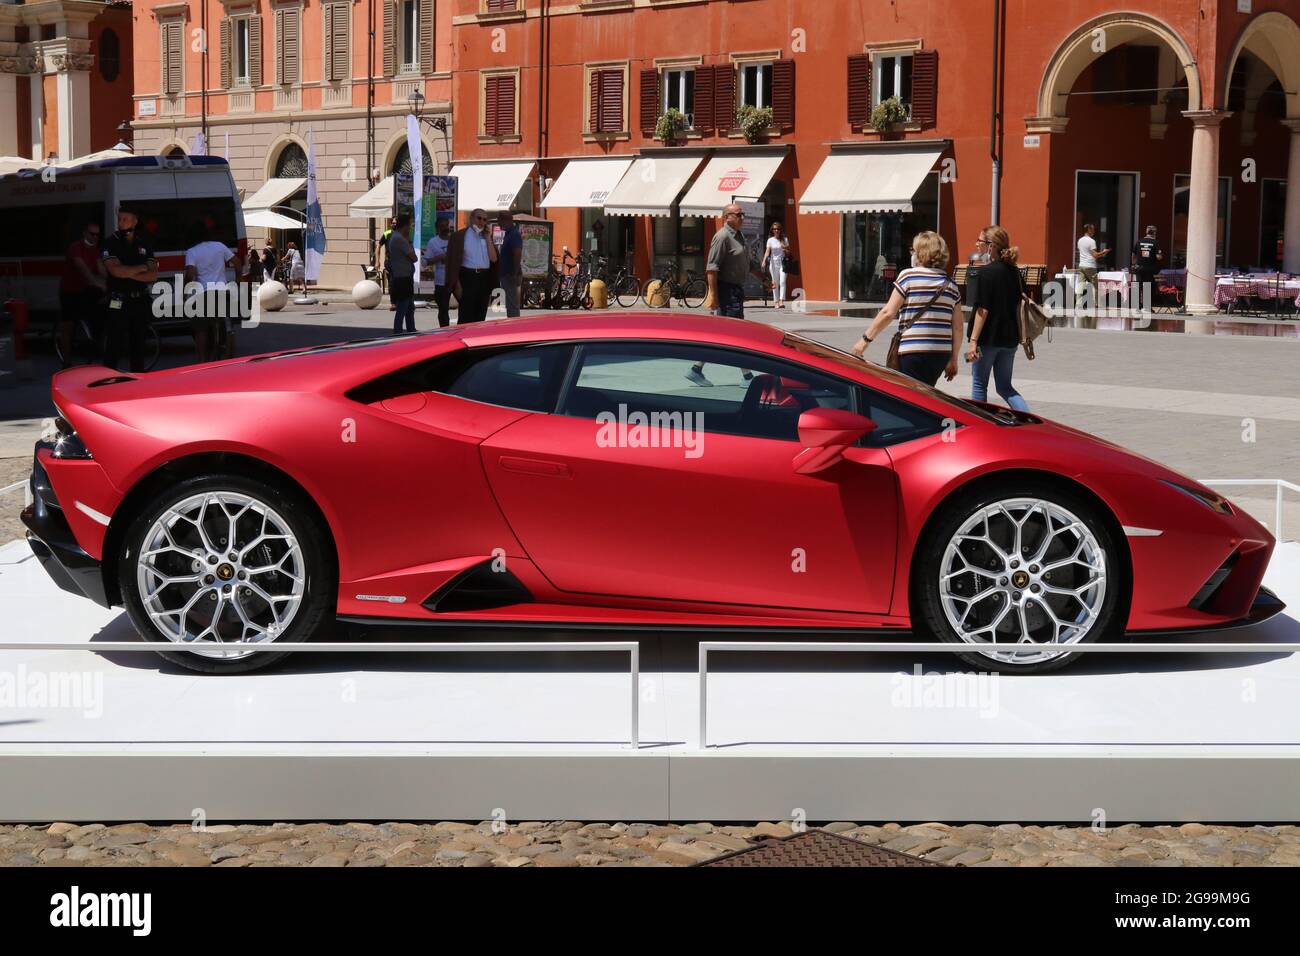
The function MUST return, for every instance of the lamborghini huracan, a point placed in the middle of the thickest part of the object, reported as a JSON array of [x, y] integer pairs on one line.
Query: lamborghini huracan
[[662, 472]]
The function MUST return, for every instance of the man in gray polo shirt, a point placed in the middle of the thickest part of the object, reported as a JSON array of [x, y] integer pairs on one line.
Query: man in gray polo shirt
[[726, 271]]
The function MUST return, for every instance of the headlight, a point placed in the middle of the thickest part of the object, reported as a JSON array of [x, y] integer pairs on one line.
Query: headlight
[[1208, 498], [67, 443]]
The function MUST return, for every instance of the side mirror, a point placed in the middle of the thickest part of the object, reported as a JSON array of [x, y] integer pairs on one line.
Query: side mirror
[[825, 434]]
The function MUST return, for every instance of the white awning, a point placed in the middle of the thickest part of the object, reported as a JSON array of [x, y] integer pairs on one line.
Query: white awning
[[586, 183], [273, 193], [731, 175], [268, 219], [377, 203], [870, 180], [491, 187], [651, 185]]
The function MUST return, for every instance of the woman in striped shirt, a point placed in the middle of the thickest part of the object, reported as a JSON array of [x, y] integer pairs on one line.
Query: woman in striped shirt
[[924, 301]]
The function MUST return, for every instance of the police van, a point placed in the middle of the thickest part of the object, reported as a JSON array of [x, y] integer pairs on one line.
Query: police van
[[43, 210]]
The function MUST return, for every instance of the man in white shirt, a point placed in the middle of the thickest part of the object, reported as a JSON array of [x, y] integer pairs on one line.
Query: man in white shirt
[[206, 262], [1090, 256], [471, 262], [435, 253]]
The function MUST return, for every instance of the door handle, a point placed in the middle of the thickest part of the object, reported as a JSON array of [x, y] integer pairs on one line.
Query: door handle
[[536, 466]]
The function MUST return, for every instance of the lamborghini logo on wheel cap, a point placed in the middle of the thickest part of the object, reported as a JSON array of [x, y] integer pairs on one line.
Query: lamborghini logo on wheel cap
[[1020, 579], [225, 572]]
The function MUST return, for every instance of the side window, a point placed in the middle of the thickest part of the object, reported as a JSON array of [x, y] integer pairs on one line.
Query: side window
[[527, 378], [896, 421], [733, 393]]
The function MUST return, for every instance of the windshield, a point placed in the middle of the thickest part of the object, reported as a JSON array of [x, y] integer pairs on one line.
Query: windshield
[[821, 350]]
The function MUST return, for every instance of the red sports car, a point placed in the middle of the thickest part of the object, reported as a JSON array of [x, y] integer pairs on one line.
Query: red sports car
[[665, 472]]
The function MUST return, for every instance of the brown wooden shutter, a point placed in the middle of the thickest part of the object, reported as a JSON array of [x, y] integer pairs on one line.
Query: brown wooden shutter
[[289, 74], [593, 102], [426, 36], [390, 39], [327, 29], [499, 106], [491, 90], [498, 6], [925, 88], [606, 101], [649, 101], [506, 106], [783, 94], [226, 66], [172, 53], [340, 58], [859, 88], [724, 96], [255, 51], [703, 115]]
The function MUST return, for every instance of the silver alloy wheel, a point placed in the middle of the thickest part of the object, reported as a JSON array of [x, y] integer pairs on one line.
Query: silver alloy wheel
[[221, 568], [1023, 572]]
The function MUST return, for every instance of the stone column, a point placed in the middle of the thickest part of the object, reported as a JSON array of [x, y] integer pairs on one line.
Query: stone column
[[37, 88], [1203, 216], [72, 82], [1291, 235], [8, 92]]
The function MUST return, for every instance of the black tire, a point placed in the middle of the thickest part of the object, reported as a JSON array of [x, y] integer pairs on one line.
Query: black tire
[[315, 612], [629, 290], [929, 618], [695, 293]]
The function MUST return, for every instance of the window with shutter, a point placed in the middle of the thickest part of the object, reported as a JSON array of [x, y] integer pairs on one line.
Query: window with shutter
[[859, 89], [499, 105], [704, 86], [341, 17], [426, 36], [649, 101], [724, 96], [225, 53], [286, 22], [783, 94], [605, 114], [500, 6], [171, 79], [255, 50], [925, 88], [390, 38]]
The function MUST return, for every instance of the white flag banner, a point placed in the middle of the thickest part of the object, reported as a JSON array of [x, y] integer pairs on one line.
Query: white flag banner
[[416, 151], [199, 145], [314, 239]]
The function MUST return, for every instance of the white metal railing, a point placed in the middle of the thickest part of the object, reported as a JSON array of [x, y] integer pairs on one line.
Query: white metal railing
[[918, 647], [631, 648], [1278, 484]]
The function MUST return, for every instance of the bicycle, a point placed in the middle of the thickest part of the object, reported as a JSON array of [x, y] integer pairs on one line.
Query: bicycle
[[623, 286], [690, 293]]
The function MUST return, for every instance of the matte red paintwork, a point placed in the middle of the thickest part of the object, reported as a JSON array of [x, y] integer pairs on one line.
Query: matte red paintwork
[[417, 488]]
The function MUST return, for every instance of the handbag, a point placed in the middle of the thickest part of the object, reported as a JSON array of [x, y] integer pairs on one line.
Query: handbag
[[790, 265], [1031, 319], [891, 361]]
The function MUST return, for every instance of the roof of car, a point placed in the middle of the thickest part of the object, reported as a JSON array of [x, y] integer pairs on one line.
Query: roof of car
[[583, 325]]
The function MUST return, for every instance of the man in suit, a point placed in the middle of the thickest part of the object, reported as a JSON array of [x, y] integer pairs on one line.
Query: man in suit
[[471, 268]]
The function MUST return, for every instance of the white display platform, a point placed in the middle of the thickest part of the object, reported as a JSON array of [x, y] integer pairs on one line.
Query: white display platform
[[1149, 737]]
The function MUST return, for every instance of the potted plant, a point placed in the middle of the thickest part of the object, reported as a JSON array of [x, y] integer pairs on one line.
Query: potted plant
[[889, 115], [671, 126], [754, 122]]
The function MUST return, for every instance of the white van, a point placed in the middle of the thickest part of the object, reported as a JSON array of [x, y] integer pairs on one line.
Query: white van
[[43, 211]]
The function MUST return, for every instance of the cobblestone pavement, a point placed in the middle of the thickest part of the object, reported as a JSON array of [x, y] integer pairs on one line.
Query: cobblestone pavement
[[570, 844], [11, 470]]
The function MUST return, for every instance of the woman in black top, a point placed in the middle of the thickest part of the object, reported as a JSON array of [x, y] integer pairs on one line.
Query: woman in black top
[[994, 333]]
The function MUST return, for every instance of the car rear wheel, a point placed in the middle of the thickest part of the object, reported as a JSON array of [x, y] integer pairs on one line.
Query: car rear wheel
[[223, 562], [1021, 573]]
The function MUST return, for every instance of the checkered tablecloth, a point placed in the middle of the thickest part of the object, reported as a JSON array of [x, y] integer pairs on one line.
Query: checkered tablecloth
[[1226, 290]]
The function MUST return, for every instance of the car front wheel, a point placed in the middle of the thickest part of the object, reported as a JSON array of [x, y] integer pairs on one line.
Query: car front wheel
[[1019, 575], [221, 563]]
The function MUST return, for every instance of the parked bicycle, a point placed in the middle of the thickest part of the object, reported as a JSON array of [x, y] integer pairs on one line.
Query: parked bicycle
[[622, 286], [90, 344], [691, 292]]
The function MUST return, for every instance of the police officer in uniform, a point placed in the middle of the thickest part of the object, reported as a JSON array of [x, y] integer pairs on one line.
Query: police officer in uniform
[[131, 268]]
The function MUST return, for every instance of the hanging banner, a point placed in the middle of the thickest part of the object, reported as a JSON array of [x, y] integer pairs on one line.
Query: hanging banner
[[537, 235], [314, 233], [751, 230], [415, 149]]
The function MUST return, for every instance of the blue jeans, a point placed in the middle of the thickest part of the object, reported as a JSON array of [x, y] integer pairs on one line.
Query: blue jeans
[[402, 293], [998, 360], [731, 300]]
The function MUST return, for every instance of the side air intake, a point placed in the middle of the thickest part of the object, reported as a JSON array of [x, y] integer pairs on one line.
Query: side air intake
[[477, 589]]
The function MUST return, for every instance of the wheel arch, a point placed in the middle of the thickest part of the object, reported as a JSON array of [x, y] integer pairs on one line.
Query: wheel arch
[[193, 466], [1003, 477]]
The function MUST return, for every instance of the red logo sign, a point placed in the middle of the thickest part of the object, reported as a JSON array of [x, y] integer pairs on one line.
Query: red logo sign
[[733, 179]]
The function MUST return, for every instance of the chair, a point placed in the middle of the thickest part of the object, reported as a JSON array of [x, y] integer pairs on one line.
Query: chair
[[960, 274], [1034, 276], [1245, 300]]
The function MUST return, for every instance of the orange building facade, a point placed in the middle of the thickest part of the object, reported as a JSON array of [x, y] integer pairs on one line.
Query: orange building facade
[[271, 71], [65, 77], [1175, 113]]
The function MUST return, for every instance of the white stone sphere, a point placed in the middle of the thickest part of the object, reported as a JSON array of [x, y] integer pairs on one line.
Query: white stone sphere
[[272, 296], [366, 294]]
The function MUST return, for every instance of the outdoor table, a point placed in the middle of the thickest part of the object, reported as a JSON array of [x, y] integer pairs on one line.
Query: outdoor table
[[1265, 286]]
